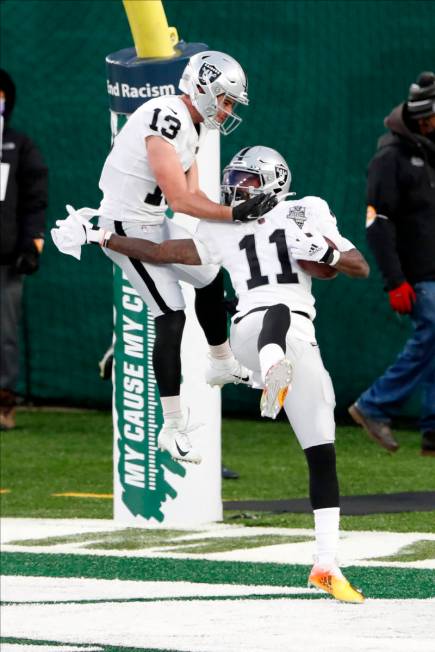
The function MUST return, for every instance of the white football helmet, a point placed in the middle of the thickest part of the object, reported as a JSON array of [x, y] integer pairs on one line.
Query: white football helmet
[[209, 74], [252, 171]]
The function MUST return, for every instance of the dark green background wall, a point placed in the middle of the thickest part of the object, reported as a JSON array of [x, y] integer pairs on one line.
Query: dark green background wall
[[322, 76]]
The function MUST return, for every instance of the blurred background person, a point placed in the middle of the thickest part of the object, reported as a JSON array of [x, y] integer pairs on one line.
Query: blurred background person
[[24, 181], [401, 234]]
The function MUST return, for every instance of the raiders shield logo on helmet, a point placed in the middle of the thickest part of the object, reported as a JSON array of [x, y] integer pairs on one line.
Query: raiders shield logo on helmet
[[281, 174], [208, 73]]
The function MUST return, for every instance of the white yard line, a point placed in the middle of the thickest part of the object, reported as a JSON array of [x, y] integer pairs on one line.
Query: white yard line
[[52, 589], [360, 548]]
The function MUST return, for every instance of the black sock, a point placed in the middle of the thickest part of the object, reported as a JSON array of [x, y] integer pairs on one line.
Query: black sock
[[167, 352], [324, 490], [210, 310]]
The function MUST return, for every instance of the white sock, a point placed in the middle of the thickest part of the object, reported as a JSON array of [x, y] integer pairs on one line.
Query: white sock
[[171, 407], [221, 351], [326, 526], [269, 355]]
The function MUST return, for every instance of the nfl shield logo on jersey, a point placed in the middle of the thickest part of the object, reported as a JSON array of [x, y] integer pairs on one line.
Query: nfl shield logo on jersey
[[208, 73], [297, 214]]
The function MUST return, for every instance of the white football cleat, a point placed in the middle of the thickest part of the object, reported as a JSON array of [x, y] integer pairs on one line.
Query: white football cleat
[[276, 386], [174, 439], [221, 372]]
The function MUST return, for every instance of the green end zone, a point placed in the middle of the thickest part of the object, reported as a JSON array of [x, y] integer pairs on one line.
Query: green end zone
[[377, 582]]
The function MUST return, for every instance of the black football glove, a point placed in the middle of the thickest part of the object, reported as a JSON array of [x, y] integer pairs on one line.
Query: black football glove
[[27, 261], [253, 208]]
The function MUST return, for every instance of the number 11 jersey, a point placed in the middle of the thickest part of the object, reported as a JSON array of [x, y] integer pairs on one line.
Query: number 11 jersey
[[130, 189], [257, 257]]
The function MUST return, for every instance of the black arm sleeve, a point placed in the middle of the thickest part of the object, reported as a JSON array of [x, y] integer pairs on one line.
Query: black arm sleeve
[[383, 193], [32, 179]]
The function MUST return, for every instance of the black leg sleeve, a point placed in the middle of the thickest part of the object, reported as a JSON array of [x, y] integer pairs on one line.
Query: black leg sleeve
[[167, 352], [324, 491], [210, 310], [276, 323]]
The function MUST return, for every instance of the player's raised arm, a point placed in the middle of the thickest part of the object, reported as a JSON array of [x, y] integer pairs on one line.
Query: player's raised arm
[[172, 180], [192, 178], [70, 234], [170, 251]]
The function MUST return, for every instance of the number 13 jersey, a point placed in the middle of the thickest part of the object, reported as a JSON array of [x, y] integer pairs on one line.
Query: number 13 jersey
[[130, 189]]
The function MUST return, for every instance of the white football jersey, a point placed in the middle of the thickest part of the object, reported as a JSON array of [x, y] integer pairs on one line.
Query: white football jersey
[[130, 190], [257, 258]]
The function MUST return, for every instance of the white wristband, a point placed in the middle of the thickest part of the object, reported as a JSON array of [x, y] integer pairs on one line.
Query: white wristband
[[94, 234], [106, 237], [335, 258]]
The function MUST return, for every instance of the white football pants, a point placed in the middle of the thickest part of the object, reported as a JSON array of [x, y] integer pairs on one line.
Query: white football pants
[[158, 285], [310, 402]]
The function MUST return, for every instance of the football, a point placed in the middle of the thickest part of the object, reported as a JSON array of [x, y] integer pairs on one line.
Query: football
[[319, 270]]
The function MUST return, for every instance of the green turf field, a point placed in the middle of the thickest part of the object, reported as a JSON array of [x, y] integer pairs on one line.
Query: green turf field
[[54, 452], [384, 582]]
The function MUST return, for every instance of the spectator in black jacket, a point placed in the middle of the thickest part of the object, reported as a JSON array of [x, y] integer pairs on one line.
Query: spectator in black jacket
[[23, 202], [401, 234]]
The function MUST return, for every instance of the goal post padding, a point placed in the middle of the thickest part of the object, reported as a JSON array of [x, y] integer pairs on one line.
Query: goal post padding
[[149, 487]]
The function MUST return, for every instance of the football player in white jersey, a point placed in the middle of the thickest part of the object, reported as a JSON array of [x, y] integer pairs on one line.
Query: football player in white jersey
[[152, 167], [272, 332]]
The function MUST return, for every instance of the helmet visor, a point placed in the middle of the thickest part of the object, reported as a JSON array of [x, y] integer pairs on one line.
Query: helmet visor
[[241, 178], [239, 185]]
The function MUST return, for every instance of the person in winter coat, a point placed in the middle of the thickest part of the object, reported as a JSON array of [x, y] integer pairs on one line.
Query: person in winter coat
[[23, 202], [401, 234]]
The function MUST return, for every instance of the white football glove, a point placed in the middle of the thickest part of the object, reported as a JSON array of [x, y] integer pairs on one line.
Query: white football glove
[[76, 230], [310, 246]]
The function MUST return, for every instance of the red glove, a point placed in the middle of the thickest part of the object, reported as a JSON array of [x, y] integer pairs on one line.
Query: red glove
[[402, 298]]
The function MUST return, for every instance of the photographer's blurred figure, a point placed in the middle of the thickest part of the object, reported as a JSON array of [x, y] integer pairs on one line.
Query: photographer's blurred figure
[[401, 234], [22, 221]]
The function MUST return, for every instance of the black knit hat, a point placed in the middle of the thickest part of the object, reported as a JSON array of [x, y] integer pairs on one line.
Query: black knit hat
[[421, 98]]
